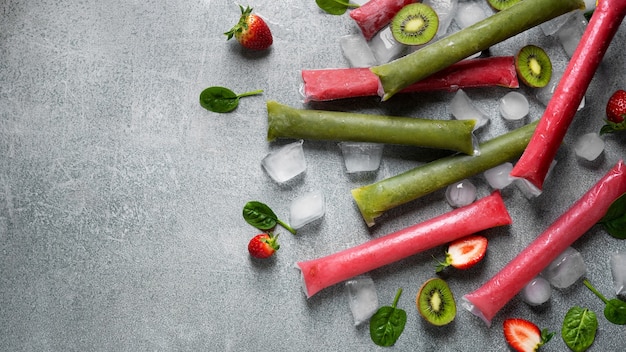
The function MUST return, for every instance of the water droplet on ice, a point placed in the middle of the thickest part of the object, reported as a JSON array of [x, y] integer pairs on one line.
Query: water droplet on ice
[[461, 193]]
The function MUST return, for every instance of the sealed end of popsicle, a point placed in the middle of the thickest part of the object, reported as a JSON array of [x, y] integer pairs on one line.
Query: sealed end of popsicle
[[302, 280], [465, 303]]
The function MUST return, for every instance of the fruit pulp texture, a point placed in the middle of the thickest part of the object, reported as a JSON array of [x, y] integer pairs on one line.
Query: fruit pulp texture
[[535, 162], [488, 299], [342, 83], [485, 213]]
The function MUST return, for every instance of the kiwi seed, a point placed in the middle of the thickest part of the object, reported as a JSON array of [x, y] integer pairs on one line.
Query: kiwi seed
[[435, 302], [500, 5], [533, 66], [415, 24]]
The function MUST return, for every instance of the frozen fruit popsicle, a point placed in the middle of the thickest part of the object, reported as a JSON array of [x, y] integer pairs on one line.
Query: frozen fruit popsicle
[[485, 213], [342, 83], [372, 16], [487, 300]]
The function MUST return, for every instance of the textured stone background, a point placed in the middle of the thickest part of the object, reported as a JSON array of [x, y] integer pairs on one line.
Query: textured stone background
[[121, 198]]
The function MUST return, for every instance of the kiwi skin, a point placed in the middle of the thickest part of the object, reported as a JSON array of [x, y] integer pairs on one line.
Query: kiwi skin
[[499, 5], [415, 24], [533, 66], [435, 302]]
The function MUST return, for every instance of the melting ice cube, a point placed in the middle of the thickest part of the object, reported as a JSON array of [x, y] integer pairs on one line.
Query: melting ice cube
[[536, 292], [544, 94], [356, 50], [566, 269], [469, 13], [362, 298], [463, 108], [618, 270], [460, 193], [514, 106], [550, 27], [285, 163], [446, 10], [571, 31], [306, 209], [589, 146], [360, 156], [385, 47], [499, 176]]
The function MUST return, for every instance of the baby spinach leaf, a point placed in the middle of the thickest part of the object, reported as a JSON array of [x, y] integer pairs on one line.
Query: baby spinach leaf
[[221, 99], [614, 222], [335, 7], [387, 324], [579, 328], [263, 217], [614, 309]]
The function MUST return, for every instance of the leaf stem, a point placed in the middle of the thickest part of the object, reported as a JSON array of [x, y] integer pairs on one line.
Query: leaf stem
[[395, 300], [254, 92], [593, 289], [286, 226]]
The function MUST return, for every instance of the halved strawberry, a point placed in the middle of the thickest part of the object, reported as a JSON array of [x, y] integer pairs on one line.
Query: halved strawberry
[[251, 31], [263, 245], [524, 335], [464, 252]]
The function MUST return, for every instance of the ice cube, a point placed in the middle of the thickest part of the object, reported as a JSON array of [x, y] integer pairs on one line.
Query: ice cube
[[362, 298], [445, 9], [286, 162], [571, 31], [550, 27], [361, 156], [356, 50], [385, 47], [463, 108], [306, 209], [469, 13], [499, 176], [589, 146], [536, 292], [618, 270], [566, 269], [544, 94], [514, 106], [461, 193]]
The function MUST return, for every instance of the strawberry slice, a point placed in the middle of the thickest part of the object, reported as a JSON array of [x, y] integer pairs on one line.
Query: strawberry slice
[[464, 252], [263, 245], [524, 335]]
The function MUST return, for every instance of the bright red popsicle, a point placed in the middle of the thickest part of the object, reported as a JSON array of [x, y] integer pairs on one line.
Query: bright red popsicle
[[374, 15], [486, 301], [483, 214]]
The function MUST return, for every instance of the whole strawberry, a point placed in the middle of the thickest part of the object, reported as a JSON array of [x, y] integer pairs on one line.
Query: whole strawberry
[[615, 113], [251, 31], [263, 245]]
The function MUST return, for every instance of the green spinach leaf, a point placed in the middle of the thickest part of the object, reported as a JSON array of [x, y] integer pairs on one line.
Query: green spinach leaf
[[614, 222], [263, 217], [221, 99], [387, 324], [614, 309], [579, 328], [335, 7]]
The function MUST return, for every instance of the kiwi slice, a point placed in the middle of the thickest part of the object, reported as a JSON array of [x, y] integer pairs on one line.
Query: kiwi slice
[[415, 24], [500, 5], [435, 302], [533, 66]]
